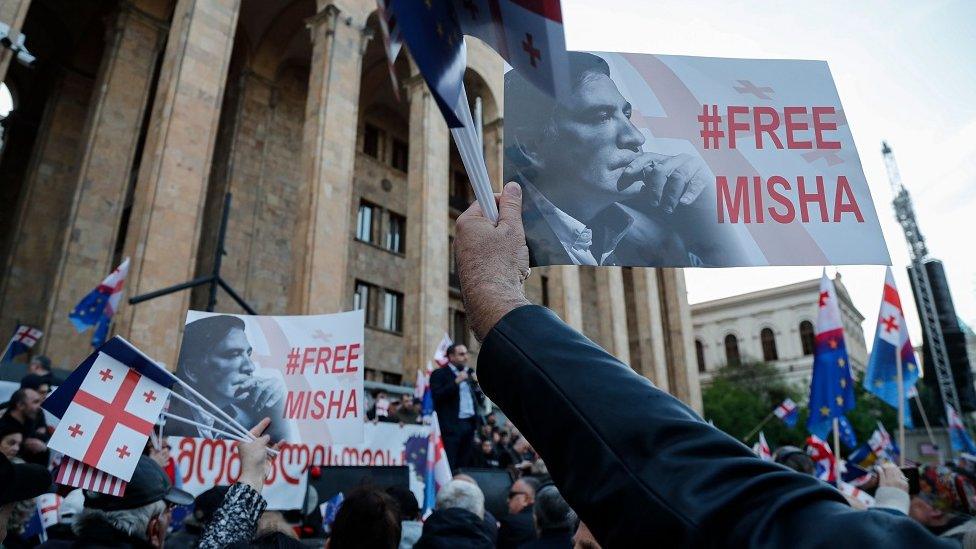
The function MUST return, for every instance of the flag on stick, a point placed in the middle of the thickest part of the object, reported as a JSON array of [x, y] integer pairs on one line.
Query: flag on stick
[[438, 470], [831, 387], [823, 458], [787, 412], [761, 448], [22, 341], [440, 354], [79, 475], [528, 34], [961, 441], [392, 42], [97, 308], [892, 349]]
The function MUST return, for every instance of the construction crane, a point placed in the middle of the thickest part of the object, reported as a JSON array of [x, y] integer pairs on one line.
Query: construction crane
[[923, 289]]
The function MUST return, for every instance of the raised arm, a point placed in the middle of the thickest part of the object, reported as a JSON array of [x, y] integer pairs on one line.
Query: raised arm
[[633, 461]]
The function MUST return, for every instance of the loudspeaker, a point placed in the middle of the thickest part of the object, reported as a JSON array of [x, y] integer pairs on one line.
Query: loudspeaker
[[344, 479], [495, 484]]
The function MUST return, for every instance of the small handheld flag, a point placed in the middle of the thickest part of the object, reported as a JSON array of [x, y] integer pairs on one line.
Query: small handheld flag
[[438, 470], [22, 341], [892, 348], [761, 448], [97, 308], [440, 354], [831, 386], [787, 412], [961, 441], [823, 458]]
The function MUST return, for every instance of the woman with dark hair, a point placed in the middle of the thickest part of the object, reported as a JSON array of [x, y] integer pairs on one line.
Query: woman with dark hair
[[215, 359]]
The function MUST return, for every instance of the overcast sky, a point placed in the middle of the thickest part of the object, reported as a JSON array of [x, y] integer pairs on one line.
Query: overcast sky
[[905, 73]]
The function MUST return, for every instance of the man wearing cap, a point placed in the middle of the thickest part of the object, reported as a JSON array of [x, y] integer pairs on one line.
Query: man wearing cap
[[139, 518], [20, 481]]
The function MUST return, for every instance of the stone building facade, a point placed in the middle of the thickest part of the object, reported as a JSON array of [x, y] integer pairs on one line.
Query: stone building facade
[[139, 116], [776, 326]]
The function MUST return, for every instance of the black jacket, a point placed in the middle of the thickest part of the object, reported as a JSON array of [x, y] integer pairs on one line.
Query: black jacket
[[454, 528], [447, 398], [637, 465], [96, 533], [516, 529]]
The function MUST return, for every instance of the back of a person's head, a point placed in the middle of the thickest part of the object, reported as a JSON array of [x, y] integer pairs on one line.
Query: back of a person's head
[[43, 362], [406, 501], [551, 511], [369, 519], [462, 495]]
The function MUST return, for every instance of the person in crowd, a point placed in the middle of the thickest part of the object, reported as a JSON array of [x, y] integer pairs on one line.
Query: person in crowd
[[140, 518], [941, 507], [458, 519], [237, 517], [24, 415], [39, 365], [382, 405], [525, 456], [409, 411], [555, 521], [491, 523], [486, 457], [11, 438], [410, 524], [20, 482], [215, 358], [368, 519], [39, 383], [205, 507], [634, 462], [503, 448], [455, 402], [518, 526], [892, 491], [796, 459]]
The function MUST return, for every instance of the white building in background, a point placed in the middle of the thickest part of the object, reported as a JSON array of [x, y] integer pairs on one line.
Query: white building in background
[[776, 326]]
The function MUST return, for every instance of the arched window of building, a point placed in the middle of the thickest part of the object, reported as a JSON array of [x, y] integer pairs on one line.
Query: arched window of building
[[768, 345], [807, 339], [700, 355], [732, 357]]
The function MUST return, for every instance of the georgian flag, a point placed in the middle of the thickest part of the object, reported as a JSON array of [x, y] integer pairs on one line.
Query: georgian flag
[[440, 354], [856, 493], [108, 421], [762, 448], [787, 412], [438, 469], [528, 34], [823, 458], [958, 435]]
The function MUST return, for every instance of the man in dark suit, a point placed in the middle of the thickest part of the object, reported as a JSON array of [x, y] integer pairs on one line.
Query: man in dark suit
[[456, 403], [592, 195], [636, 464]]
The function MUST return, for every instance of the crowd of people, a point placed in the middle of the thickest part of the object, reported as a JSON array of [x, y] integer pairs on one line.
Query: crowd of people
[[625, 463]]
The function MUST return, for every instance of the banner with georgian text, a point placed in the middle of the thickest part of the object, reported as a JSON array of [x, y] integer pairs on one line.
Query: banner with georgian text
[[662, 160]]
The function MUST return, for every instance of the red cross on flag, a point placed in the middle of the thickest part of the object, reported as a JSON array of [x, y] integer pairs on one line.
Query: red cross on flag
[[526, 33], [108, 421]]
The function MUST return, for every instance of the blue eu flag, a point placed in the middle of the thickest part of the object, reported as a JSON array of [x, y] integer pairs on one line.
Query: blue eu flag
[[831, 386], [432, 33]]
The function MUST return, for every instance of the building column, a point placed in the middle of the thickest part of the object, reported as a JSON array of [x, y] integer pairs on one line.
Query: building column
[[164, 228], [425, 311], [564, 295], [43, 205], [652, 363], [328, 157], [679, 338], [108, 147], [613, 313], [12, 14]]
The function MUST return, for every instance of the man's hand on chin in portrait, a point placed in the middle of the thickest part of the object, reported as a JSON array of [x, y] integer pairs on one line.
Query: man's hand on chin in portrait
[[670, 181]]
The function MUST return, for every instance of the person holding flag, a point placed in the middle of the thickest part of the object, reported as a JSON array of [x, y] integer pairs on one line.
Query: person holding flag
[[832, 386], [892, 368]]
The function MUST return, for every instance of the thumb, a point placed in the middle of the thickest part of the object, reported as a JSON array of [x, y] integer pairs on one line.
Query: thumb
[[510, 205]]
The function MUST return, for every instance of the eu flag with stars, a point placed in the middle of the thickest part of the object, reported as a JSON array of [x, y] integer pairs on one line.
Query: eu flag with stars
[[432, 33], [97, 308], [831, 387]]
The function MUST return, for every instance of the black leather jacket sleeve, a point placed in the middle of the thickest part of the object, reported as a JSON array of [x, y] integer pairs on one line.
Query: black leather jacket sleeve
[[641, 468]]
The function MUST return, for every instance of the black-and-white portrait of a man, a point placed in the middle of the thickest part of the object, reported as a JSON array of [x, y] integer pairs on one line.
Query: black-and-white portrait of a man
[[215, 359], [591, 194]]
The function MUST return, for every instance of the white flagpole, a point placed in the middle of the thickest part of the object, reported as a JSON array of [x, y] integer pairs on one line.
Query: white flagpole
[[837, 448], [925, 419], [901, 409], [199, 408], [7, 348], [473, 158]]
